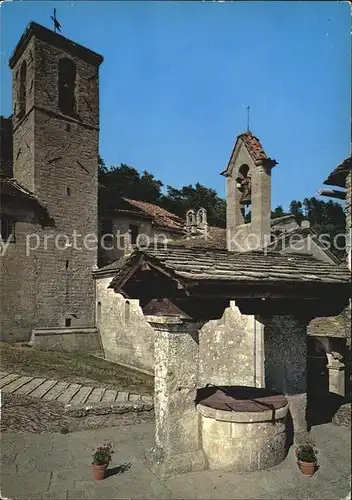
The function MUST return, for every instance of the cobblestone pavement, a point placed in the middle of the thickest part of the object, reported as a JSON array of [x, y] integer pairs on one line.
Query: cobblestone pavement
[[58, 466], [63, 392]]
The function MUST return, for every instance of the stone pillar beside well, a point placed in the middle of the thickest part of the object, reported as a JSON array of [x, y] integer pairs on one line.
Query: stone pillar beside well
[[285, 347], [336, 375], [177, 446]]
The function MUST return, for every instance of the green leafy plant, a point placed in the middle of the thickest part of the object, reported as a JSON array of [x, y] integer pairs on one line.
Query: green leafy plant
[[306, 453], [103, 454]]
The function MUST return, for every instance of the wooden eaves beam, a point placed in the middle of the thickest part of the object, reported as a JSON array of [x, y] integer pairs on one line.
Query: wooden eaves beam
[[332, 193]]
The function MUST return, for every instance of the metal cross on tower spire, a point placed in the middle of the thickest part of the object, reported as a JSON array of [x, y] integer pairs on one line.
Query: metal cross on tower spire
[[57, 25], [248, 109]]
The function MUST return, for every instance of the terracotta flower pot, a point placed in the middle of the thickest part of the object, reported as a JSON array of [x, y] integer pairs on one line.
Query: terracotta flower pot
[[307, 468], [99, 471]]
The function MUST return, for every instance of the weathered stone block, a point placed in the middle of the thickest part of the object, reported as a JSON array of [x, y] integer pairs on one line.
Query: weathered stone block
[[247, 441]]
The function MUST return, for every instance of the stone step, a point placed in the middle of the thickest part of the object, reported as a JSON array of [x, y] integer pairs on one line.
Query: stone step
[[55, 391], [8, 379], [96, 395], [68, 394], [16, 384], [109, 396], [122, 396], [81, 396], [134, 397], [86, 399], [26, 389], [43, 389]]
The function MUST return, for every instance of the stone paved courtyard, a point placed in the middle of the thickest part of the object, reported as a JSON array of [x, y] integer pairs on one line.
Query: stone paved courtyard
[[57, 466]]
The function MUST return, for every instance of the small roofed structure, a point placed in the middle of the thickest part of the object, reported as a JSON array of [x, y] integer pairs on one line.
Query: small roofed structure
[[283, 292]]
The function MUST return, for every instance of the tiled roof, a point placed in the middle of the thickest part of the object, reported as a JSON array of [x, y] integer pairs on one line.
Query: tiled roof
[[116, 265], [206, 265], [161, 217], [254, 146], [13, 193], [338, 176], [216, 236], [11, 187], [255, 150]]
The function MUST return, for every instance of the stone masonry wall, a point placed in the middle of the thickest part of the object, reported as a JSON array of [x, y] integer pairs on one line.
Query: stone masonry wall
[[125, 334], [18, 287], [231, 350], [120, 228]]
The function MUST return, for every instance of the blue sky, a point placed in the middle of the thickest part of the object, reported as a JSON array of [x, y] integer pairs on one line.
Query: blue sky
[[177, 78]]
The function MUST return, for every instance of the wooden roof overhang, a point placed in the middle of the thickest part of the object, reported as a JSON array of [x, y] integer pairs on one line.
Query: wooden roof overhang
[[261, 287], [338, 176], [21, 204]]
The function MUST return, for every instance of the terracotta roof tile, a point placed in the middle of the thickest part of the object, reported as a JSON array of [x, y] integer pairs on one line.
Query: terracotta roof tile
[[162, 217], [254, 146]]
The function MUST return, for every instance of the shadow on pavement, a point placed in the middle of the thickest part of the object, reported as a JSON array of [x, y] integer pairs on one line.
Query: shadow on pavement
[[120, 469]]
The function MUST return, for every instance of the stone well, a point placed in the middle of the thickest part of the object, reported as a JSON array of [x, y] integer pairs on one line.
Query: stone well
[[243, 429]]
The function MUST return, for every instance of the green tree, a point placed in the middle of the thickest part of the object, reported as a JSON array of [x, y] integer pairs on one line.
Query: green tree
[[296, 209], [125, 181], [179, 201], [277, 212]]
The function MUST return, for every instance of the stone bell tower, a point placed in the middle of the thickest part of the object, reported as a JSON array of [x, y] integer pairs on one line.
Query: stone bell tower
[[55, 156], [248, 187]]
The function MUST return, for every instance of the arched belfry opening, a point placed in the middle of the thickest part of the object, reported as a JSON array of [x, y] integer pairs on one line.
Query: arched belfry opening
[[22, 97], [190, 217], [67, 86], [244, 186], [201, 216]]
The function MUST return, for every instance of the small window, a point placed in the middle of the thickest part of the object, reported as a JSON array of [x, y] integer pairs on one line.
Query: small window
[[22, 90], [133, 230], [243, 170], [99, 311], [68, 321], [66, 264], [127, 311], [67, 86], [7, 227], [68, 191]]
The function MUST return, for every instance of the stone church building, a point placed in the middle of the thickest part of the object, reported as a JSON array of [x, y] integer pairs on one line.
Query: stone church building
[[62, 291]]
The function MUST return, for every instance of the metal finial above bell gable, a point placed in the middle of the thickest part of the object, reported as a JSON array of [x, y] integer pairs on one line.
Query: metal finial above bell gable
[[248, 110]]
